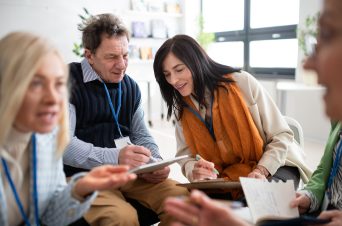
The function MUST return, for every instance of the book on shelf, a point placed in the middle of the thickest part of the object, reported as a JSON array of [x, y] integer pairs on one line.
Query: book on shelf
[[269, 203], [134, 52], [156, 6], [158, 29], [173, 7], [139, 29], [138, 5], [145, 53]]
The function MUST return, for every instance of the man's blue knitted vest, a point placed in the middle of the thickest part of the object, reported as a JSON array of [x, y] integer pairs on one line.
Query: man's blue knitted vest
[[94, 121]]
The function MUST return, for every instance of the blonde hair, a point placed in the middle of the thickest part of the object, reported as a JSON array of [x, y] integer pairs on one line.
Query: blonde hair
[[21, 54]]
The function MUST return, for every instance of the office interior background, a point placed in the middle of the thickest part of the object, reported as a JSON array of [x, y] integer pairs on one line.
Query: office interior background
[[259, 36]]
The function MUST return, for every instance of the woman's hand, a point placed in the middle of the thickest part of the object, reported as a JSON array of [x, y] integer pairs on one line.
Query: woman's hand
[[301, 201], [102, 178], [200, 210], [203, 170], [335, 217], [259, 172]]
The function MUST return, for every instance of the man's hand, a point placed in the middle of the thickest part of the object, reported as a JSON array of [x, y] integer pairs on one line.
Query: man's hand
[[134, 155], [156, 176]]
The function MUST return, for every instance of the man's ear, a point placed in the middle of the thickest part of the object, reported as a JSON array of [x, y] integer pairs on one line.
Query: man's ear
[[89, 56]]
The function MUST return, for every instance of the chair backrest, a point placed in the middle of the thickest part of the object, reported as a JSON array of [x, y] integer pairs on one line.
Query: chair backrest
[[299, 138], [297, 130]]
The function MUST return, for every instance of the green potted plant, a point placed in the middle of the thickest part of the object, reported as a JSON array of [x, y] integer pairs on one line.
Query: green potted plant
[[204, 38], [78, 47], [307, 34]]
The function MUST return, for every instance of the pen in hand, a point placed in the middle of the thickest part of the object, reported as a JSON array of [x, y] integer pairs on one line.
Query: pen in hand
[[198, 157], [152, 159]]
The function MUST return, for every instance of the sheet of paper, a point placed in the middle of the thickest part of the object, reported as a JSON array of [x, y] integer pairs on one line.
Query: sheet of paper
[[269, 199]]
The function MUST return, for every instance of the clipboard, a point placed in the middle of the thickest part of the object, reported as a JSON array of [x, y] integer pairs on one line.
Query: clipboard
[[304, 220], [219, 183], [150, 167]]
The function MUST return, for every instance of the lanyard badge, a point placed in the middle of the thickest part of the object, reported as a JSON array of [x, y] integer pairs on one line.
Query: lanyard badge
[[114, 113], [335, 167], [35, 192], [122, 141], [209, 124]]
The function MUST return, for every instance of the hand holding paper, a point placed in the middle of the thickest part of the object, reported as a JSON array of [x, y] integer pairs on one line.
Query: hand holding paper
[[269, 203], [302, 202], [156, 176]]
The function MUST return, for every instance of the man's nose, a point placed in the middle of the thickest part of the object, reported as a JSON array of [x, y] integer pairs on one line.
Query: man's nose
[[121, 63]]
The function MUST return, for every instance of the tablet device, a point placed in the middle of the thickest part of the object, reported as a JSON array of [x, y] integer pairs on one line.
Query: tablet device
[[150, 167]]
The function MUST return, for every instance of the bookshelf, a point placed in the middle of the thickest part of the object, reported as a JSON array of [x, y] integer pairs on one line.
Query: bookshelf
[[151, 22], [136, 13]]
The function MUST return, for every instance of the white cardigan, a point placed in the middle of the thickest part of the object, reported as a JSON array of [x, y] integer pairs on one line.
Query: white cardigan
[[280, 148]]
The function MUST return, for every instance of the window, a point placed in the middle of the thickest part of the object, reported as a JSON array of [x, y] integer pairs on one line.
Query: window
[[256, 35]]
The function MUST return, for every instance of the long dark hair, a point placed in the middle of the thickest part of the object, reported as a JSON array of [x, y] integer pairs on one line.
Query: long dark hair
[[206, 73]]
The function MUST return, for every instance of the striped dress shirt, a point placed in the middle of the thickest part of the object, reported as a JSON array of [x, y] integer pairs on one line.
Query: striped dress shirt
[[85, 155]]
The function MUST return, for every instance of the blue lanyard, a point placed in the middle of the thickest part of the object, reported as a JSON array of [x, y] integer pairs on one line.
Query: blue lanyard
[[208, 125], [115, 114], [335, 167], [35, 193]]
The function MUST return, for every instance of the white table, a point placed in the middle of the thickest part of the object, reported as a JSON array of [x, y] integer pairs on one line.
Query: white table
[[282, 88]]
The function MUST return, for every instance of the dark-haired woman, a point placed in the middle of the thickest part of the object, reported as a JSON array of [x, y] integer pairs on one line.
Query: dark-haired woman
[[225, 116]]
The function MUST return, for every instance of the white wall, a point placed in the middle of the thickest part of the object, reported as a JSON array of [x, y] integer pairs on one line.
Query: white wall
[[58, 21]]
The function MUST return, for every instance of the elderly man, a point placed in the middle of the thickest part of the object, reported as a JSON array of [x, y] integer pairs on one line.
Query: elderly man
[[105, 116]]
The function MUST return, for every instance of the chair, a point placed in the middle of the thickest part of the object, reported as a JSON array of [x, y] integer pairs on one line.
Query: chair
[[297, 130], [298, 136]]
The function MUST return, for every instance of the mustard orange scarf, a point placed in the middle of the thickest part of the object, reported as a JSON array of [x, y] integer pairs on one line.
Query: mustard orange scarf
[[238, 146]]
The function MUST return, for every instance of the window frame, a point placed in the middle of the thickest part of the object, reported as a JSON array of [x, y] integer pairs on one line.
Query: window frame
[[249, 34]]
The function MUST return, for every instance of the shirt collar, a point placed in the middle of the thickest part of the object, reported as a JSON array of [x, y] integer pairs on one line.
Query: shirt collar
[[88, 72]]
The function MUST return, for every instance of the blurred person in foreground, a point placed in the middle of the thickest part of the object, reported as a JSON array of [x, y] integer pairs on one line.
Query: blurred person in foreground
[[34, 132]]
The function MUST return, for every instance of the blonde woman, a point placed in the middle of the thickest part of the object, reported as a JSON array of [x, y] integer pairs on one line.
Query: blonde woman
[[33, 135]]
